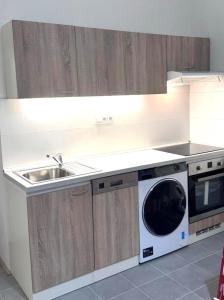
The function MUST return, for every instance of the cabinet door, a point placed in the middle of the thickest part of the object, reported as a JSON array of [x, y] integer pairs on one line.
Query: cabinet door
[[115, 213], [45, 59], [145, 63], [100, 57], [61, 236], [188, 54], [206, 224]]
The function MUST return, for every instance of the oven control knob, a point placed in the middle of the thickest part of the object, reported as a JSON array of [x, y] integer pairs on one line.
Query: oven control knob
[[198, 168]]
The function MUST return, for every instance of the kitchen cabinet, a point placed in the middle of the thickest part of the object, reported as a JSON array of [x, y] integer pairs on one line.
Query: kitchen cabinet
[[49, 60], [206, 224], [145, 63], [39, 60], [100, 58], [115, 215], [60, 235], [120, 63], [188, 53]]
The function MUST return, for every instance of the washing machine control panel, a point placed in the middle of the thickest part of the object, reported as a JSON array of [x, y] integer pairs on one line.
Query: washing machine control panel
[[147, 252]]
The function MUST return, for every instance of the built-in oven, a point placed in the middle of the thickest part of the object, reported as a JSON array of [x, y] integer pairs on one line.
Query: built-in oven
[[206, 189]]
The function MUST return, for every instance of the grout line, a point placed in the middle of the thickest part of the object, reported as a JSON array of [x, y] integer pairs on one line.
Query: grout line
[[138, 286], [205, 285], [114, 297], [190, 294], [92, 290], [181, 297], [179, 283], [195, 261], [187, 265]]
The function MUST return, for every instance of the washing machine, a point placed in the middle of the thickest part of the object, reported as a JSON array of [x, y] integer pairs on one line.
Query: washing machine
[[163, 210]]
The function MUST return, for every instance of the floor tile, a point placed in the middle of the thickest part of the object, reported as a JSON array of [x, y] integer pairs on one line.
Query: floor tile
[[12, 294], [220, 235], [132, 295], [208, 291], [81, 294], [142, 274], [6, 281], [211, 263], [111, 287], [213, 243], [191, 296], [192, 276], [169, 263], [193, 253], [164, 289]]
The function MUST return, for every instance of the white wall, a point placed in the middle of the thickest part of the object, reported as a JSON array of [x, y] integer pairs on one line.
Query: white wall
[[31, 128], [155, 16], [207, 113], [213, 13]]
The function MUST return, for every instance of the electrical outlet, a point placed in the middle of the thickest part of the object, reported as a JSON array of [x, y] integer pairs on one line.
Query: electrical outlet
[[104, 120]]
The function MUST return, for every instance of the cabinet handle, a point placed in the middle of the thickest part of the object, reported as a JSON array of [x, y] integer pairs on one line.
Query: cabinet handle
[[79, 194], [189, 68], [116, 183], [67, 93]]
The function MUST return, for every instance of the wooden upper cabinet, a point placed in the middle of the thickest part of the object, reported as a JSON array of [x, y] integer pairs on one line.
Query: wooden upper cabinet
[[49, 60], [145, 63], [100, 59], [61, 235], [188, 54], [120, 63], [115, 215], [42, 60]]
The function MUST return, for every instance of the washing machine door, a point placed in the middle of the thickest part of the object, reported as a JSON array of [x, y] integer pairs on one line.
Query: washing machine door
[[164, 207]]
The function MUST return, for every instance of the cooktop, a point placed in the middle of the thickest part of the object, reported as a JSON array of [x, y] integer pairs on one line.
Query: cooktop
[[188, 149]]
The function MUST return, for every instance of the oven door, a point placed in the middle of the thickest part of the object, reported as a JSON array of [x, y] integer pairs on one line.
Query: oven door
[[206, 195]]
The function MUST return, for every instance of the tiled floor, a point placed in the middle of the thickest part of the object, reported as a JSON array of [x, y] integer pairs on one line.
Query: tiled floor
[[188, 274]]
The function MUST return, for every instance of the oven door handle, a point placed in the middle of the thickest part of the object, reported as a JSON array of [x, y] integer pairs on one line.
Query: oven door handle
[[210, 177]]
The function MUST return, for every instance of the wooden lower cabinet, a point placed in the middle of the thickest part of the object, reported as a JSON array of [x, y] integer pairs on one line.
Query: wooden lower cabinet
[[61, 235], [204, 224], [115, 214]]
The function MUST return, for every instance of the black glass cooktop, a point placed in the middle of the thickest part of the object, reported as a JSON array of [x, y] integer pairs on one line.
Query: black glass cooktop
[[188, 149]]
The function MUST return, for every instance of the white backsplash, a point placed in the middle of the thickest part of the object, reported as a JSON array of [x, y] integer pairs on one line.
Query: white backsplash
[[207, 113], [31, 128]]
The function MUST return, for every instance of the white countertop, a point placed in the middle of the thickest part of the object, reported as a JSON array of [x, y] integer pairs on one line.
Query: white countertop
[[106, 165], [110, 164]]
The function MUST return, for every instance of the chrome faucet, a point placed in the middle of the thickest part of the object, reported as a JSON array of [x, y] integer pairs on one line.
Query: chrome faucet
[[57, 157]]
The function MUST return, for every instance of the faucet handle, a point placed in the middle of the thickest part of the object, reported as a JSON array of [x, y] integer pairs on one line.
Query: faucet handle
[[57, 157]]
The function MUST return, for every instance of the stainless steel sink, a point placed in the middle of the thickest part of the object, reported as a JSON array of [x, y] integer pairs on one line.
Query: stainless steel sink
[[44, 174]]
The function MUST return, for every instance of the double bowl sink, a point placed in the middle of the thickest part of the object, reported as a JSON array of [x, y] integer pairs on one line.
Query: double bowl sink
[[52, 173]]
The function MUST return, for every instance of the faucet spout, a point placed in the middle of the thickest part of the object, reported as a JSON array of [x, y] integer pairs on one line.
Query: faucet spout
[[56, 157]]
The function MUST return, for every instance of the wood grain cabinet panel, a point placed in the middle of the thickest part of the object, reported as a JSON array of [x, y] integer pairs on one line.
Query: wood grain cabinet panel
[[116, 232], [100, 56], [49, 60], [205, 224], [61, 235], [188, 53], [145, 63], [45, 59]]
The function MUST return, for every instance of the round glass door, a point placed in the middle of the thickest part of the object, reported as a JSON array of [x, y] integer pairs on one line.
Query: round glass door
[[164, 207]]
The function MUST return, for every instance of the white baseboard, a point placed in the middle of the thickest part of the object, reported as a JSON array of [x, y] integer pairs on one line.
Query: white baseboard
[[85, 280], [195, 238]]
